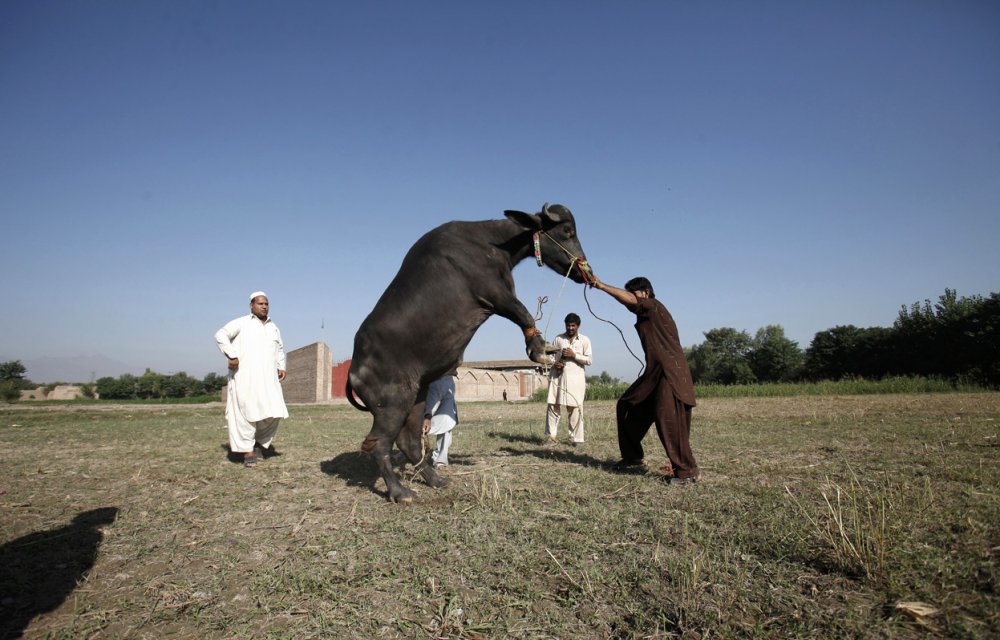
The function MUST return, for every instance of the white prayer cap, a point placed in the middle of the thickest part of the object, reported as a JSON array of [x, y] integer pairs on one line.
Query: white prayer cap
[[257, 293]]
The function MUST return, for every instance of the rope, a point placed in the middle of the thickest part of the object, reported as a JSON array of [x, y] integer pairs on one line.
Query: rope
[[538, 310], [575, 260], [642, 364], [555, 305]]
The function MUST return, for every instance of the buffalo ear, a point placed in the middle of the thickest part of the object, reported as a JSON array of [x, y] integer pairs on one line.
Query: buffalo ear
[[526, 220]]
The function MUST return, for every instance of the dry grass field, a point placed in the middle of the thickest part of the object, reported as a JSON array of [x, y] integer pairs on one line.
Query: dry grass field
[[817, 517]]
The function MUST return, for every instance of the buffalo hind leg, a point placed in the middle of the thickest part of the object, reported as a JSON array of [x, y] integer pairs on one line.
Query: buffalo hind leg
[[411, 442], [386, 427]]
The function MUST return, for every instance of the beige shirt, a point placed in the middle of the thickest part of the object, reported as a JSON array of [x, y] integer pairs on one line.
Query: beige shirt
[[569, 387]]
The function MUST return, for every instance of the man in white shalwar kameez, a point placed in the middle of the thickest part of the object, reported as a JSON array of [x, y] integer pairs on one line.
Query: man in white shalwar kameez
[[568, 381], [254, 404]]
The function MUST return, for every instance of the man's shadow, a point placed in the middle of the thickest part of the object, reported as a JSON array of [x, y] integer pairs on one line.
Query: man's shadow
[[39, 571], [560, 453]]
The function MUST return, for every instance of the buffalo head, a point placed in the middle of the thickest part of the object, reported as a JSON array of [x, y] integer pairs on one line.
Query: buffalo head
[[555, 230]]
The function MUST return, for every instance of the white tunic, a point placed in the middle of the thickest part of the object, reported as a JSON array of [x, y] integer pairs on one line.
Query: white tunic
[[569, 387], [261, 353]]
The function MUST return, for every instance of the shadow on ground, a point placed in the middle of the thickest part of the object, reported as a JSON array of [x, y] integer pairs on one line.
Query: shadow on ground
[[40, 570], [237, 458], [560, 453], [356, 469]]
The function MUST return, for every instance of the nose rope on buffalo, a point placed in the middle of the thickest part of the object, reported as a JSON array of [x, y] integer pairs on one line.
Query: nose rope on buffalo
[[588, 277], [575, 261]]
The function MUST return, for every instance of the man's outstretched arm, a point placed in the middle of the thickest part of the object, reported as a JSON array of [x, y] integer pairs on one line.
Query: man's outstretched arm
[[627, 298]]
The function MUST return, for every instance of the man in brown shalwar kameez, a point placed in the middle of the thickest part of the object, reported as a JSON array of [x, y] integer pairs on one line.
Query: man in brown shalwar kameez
[[663, 394]]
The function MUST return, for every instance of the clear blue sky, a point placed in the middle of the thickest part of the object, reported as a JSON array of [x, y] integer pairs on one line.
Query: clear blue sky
[[808, 164]]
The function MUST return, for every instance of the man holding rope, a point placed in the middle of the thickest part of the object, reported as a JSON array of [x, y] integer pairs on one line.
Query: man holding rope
[[568, 382], [663, 394], [254, 403]]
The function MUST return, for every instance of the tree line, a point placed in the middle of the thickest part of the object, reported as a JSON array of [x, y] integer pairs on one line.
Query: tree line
[[956, 338], [149, 386], [156, 386]]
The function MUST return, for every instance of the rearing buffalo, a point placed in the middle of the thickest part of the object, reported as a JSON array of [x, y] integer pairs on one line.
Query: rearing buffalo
[[453, 279]]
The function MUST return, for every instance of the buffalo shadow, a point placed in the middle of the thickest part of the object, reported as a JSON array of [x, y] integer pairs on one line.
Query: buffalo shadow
[[358, 469], [39, 571]]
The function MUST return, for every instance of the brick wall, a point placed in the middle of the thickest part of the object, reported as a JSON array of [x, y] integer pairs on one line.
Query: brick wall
[[309, 374]]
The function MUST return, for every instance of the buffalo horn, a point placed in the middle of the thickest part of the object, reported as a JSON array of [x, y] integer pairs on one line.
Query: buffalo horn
[[548, 214]]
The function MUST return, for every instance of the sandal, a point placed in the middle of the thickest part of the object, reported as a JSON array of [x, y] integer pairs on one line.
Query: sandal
[[250, 461]]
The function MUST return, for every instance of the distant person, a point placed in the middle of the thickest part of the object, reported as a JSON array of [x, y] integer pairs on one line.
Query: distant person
[[254, 403], [441, 416], [505, 395], [663, 394], [568, 382]]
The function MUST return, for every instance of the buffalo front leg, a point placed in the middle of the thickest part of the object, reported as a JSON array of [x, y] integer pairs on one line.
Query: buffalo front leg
[[385, 429], [508, 306], [536, 346]]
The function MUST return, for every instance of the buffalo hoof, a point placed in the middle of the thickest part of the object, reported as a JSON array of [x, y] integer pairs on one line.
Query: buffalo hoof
[[536, 348], [541, 358], [403, 496], [433, 479]]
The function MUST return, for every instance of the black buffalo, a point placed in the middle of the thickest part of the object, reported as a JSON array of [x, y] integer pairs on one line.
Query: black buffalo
[[453, 279]]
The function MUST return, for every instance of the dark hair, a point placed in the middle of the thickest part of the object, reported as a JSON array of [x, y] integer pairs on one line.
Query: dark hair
[[572, 317], [640, 284]]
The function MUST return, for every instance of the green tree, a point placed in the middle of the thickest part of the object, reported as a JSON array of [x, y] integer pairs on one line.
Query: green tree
[[181, 385], [213, 382], [604, 378], [956, 337], [847, 351], [773, 357], [150, 385], [121, 388], [10, 391], [12, 373], [12, 370], [830, 352], [722, 358]]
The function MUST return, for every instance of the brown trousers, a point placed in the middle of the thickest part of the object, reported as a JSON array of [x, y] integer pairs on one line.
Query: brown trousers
[[673, 424]]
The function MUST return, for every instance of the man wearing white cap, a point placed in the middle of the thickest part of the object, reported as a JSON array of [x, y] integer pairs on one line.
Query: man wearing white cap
[[254, 402]]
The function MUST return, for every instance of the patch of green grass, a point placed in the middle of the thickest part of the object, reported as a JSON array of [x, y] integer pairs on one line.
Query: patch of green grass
[[816, 516], [854, 386]]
